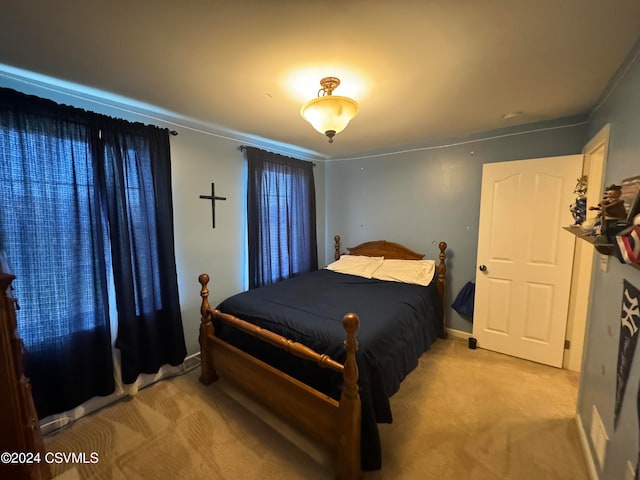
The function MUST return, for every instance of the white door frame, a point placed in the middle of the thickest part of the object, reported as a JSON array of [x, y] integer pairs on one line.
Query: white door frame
[[595, 159]]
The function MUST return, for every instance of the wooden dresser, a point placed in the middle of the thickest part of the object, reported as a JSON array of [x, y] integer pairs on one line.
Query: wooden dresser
[[19, 427]]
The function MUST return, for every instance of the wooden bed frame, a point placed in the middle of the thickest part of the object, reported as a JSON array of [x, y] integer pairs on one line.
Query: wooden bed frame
[[336, 424]]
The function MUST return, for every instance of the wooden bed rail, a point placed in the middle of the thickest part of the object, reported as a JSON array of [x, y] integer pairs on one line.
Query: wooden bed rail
[[295, 348], [336, 424], [350, 322]]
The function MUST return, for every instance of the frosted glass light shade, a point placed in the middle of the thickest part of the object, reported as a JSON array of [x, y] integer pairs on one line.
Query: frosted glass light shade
[[330, 113]]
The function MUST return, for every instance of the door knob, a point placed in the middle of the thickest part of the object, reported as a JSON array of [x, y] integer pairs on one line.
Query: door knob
[[482, 268]]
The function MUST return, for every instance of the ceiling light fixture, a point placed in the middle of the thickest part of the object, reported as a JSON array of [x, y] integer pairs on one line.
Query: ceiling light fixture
[[329, 114]]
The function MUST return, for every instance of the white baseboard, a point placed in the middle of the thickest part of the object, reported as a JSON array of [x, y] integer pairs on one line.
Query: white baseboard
[[459, 334], [586, 450], [191, 361], [59, 420]]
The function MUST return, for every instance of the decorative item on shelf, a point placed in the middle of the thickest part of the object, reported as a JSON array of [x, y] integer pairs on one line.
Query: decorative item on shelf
[[627, 245], [626, 241], [329, 114], [612, 206], [590, 226], [630, 196], [613, 215], [579, 207], [622, 240]]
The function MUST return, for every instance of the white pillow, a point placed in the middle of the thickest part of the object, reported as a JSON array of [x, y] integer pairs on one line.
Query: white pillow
[[356, 265], [419, 272]]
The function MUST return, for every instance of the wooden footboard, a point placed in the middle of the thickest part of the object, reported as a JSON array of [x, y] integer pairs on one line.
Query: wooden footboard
[[335, 424]]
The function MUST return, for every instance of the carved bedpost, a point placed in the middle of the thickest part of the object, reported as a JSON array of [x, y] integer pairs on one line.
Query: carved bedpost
[[336, 246], [350, 407], [207, 373], [442, 285]]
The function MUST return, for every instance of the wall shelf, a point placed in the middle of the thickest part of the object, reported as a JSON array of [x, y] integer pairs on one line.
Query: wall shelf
[[603, 248]]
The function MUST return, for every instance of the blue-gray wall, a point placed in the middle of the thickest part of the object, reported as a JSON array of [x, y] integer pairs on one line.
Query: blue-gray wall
[[621, 109], [432, 193], [418, 197]]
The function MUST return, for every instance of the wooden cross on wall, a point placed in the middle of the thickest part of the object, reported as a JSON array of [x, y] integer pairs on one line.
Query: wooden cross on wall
[[213, 199]]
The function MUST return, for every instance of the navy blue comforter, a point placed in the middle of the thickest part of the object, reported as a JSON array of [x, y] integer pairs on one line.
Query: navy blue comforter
[[398, 322]]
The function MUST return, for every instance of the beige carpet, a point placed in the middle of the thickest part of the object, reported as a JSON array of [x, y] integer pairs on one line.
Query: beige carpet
[[462, 414]]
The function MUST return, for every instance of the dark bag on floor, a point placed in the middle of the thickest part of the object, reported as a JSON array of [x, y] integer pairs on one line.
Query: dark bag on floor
[[463, 303]]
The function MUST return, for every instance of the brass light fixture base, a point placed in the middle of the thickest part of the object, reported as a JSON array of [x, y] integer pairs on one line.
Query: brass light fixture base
[[328, 84]]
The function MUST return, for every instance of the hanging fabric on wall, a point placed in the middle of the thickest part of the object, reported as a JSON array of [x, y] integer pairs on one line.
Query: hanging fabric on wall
[[463, 304], [627, 245], [629, 323]]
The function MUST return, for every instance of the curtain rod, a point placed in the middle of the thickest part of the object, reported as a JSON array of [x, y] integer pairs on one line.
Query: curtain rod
[[244, 147]]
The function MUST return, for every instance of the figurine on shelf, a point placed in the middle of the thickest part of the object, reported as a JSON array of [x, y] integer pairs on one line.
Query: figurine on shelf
[[612, 214], [579, 207], [591, 226], [612, 206]]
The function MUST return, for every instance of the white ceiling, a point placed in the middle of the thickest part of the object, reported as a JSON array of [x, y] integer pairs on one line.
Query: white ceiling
[[420, 69]]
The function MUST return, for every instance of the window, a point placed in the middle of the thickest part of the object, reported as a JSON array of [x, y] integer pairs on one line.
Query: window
[[281, 217], [86, 200]]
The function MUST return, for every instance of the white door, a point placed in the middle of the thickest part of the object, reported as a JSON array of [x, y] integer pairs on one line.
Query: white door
[[525, 257]]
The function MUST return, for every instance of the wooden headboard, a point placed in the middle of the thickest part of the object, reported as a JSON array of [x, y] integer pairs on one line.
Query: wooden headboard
[[391, 250], [382, 248]]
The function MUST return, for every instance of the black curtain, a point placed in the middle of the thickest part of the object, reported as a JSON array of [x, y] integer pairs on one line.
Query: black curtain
[[86, 200], [137, 186], [281, 217], [52, 230]]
